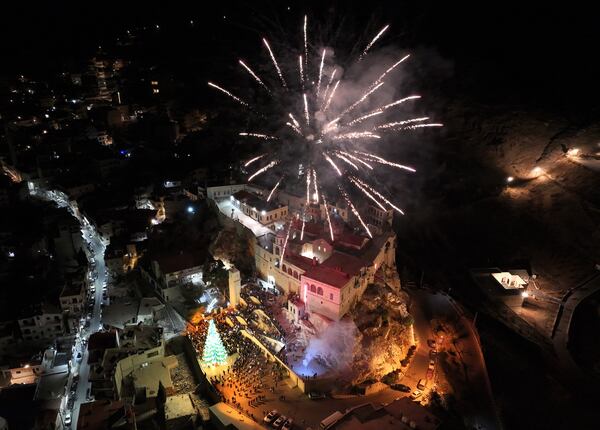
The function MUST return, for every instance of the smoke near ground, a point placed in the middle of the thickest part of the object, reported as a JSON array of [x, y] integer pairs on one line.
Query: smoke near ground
[[334, 348]]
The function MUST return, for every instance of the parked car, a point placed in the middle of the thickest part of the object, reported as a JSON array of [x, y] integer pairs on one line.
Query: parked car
[[280, 421], [316, 395], [68, 420], [431, 364], [422, 384], [416, 394], [270, 417], [433, 353], [288, 425], [430, 373], [401, 387], [431, 343]]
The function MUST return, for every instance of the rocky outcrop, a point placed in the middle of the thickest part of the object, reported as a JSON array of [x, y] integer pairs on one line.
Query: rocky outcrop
[[384, 333]]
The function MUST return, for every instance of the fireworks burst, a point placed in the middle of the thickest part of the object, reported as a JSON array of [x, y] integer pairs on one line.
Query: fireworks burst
[[331, 140]]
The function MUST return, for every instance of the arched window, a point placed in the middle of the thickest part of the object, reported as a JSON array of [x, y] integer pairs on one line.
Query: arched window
[[290, 271], [295, 274], [313, 289], [320, 291], [284, 268]]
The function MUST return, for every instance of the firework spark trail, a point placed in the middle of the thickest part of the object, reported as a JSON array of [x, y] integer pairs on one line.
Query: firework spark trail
[[330, 161], [285, 243], [383, 30], [254, 76], [363, 162], [346, 160], [296, 123], [382, 109], [378, 194], [356, 135], [367, 193], [316, 196], [263, 169], [303, 223], [392, 67], [259, 136], [413, 127], [367, 116], [273, 190], [331, 125], [307, 116], [306, 45], [275, 63], [378, 159], [253, 160], [320, 73], [360, 100], [327, 87], [237, 99], [293, 127], [355, 211], [331, 96], [328, 218], [397, 102], [398, 123], [301, 70], [308, 178]]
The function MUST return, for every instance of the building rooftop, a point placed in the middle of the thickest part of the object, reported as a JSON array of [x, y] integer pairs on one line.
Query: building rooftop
[[141, 336], [299, 261], [73, 289], [177, 406], [100, 414], [494, 287], [401, 414], [345, 262], [337, 270], [152, 375], [39, 309], [254, 201], [170, 263], [327, 275]]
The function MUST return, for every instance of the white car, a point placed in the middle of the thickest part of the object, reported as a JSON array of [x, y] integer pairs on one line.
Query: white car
[[280, 421], [270, 417], [416, 394]]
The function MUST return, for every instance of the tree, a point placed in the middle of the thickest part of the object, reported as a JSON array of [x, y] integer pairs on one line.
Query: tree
[[214, 350]]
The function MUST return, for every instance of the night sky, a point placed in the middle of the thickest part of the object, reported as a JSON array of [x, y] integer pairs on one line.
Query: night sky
[[532, 55]]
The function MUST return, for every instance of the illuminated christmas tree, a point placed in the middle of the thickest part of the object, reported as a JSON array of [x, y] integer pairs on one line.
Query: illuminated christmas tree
[[214, 350]]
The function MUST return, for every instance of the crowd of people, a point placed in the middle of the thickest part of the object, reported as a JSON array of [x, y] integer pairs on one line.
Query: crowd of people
[[247, 383], [252, 379]]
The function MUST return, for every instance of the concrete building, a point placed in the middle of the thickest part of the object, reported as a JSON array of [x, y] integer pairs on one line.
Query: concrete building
[[168, 272], [72, 299], [329, 278], [222, 192], [401, 414], [267, 213], [41, 323]]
